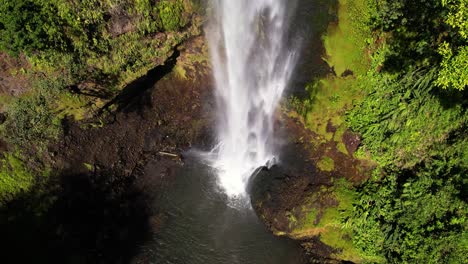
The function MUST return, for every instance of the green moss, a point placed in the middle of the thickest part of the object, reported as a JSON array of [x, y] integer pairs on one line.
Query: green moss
[[15, 178], [345, 42], [340, 239], [316, 216], [331, 96], [310, 219], [326, 164], [338, 138], [345, 193], [88, 166], [345, 196], [330, 99], [189, 63], [180, 72], [5, 100], [71, 105], [330, 222], [337, 233], [171, 14], [131, 57]]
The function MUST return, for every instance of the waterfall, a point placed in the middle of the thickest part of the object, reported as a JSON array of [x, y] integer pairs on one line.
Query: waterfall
[[251, 65]]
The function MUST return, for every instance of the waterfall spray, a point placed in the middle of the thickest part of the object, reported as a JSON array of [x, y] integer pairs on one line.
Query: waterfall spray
[[252, 65]]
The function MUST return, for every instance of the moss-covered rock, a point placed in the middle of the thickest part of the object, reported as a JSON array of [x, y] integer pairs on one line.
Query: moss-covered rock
[[326, 164]]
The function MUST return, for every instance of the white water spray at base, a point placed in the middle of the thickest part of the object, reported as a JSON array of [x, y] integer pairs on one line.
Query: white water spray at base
[[252, 66]]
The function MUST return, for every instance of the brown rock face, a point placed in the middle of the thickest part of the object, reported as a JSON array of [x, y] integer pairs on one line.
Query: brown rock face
[[351, 141]]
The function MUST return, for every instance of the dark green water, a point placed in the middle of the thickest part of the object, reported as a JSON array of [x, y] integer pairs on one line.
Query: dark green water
[[201, 226]]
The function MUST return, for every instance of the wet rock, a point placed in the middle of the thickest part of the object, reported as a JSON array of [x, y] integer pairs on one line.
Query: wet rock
[[319, 252], [351, 141]]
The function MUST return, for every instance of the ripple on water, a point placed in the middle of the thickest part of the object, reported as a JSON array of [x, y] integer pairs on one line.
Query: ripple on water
[[205, 226]]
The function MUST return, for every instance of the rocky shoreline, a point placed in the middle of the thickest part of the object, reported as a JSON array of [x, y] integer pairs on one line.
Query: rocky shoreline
[[284, 195]]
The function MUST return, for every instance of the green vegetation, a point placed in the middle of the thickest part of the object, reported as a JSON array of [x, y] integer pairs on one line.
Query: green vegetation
[[76, 56], [15, 178], [413, 210], [345, 42], [27, 26], [88, 166], [326, 164], [323, 215], [170, 13], [400, 77], [326, 214], [425, 34], [406, 97], [31, 120], [331, 96], [336, 234], [107, 43]]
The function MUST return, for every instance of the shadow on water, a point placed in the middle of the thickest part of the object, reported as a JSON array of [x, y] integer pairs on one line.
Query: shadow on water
[[98, 218]]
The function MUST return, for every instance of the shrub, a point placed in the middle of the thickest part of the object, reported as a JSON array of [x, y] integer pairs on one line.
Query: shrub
[[27, 25], [171, 14], [31, 119], [413, 210]]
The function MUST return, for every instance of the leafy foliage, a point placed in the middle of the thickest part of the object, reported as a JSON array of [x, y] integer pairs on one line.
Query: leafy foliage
[[457, 16], [413, 210], [426, 33], [453, 72], [414, 216], [26, 26], [171, 14], [402, 121], [92, 40], [454, 65]]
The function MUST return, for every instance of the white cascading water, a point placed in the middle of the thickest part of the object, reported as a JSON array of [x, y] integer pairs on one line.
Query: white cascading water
[[252, 66]]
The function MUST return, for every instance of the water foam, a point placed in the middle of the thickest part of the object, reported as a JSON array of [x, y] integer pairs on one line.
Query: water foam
[[252, 66]]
